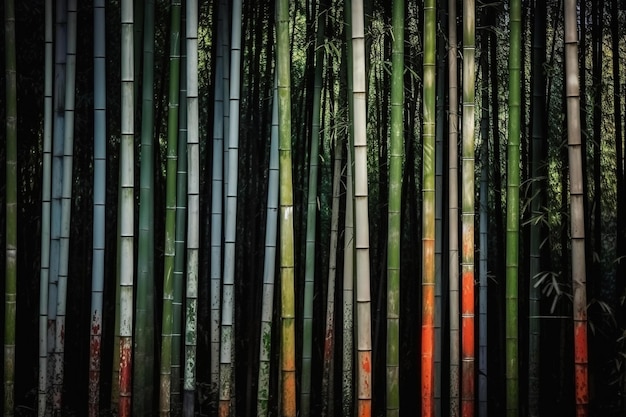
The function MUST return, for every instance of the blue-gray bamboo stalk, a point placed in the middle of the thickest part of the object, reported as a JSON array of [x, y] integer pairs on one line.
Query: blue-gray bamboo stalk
[[228, 284], [269, 268], [99, 200], [45, 211], [66, 205]]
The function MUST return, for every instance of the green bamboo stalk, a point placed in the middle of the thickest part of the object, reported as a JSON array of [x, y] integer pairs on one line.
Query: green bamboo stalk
[[180, 238], [10, 303], [193, 211], [483, 239], [287, 345], [513, 212], [395, 201], [311, 222], [143, 375], [170, 212]]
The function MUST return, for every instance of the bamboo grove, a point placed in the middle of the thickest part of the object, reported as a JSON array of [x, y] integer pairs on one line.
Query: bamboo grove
[[314, 208]]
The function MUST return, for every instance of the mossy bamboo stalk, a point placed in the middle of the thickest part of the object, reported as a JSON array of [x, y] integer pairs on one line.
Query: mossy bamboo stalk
[[180, 239], [513, 212], [286, 253], [170, 212], [395, 200]]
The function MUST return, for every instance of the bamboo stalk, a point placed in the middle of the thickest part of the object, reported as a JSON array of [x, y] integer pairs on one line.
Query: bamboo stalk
[[513, 213], [269, 267], [99, 200], [193, 212], [286, 254], [45, 211], [10, 304], [577, 210], [227, 335], [468, 212], [453, 210], [126, 211], [143, 374], [394, 216], [428, 212], [169, 249]]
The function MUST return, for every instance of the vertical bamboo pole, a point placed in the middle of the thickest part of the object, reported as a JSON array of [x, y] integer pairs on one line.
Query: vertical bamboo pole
[[127, 220]]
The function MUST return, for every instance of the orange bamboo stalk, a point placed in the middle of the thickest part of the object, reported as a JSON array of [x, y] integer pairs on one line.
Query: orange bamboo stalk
[[467, 213], [428, 213], [577, 209]]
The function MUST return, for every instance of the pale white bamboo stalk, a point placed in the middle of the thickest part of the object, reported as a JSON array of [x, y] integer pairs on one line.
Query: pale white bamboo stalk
[[217, 197], [193, 208], [127, 220], [228, 285], [361, 216], [57, 181], [66, 205], [348, 293]]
